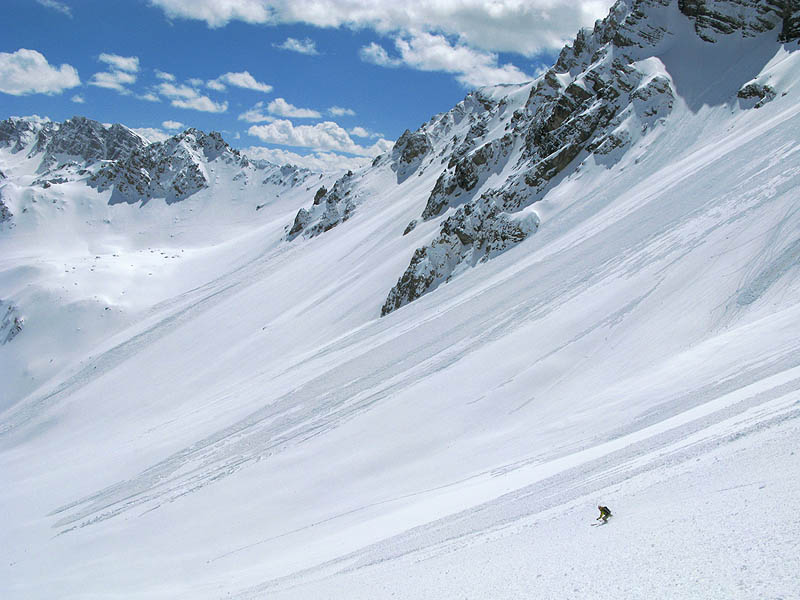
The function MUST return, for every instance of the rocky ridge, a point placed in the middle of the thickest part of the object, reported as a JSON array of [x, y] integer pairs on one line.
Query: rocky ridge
[[503, 148], [135, 170]]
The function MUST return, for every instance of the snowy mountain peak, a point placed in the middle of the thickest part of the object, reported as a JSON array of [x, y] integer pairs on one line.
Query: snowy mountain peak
[[113, 157], [504, 148]]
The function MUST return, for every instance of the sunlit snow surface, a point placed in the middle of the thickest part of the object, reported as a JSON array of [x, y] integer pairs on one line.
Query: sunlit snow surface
[[197, 408]]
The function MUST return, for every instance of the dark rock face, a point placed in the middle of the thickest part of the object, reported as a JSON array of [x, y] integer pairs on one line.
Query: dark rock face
[[412, 225], [173, 169], [11, 323], [16, 133], [412, 146], [760, 93], [328, 209], [474, 233], [168, 169], [465, 171], [790, 20], [114, 157], [87, 140], [585, 105], [408, 153], [713, 18], [5, 212]]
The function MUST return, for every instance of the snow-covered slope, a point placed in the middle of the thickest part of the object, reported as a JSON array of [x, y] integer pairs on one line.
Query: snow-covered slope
[[589, 287], [98, 225]]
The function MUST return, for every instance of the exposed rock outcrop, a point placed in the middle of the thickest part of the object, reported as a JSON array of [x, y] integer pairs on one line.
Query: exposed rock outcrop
[[11, 322], [592, 102], [758, 94], [328, 209], [5, 212], [86, 139], [408, 153]]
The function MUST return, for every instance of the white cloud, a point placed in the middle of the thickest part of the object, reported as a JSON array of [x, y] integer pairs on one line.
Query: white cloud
[[78, 99], [305, 46], [363, 133], [377, 55], [524, 26], [242, 80], [151, 134], [195, 82], [172, 125], [164, 76], [129, 64], [216, 85], [113, 80], [55, 5], [123, 72], [320, 162], [28, 72], [282, 108], [321, 136], [184, 96], [255, 114], [149, 96], [472, 68], [338, 111]]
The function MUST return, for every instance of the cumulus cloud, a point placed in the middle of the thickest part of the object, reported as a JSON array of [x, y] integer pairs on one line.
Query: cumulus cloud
[[183, 96], [216, 84], [242, 80], [364, 133], [122, 72], [113, 80], [282, 108], [434, 52], [255, 114], [78, 99], [172, 125], [320, 162], [321, 136], [164, 76], [129, 64], [527, 27], [28, 72], [58, 6], [306, 46], [377, 55], [338, 111], [149, 96]]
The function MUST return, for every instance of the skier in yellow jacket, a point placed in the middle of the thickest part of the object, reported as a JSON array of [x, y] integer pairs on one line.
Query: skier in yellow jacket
[[604, 514]]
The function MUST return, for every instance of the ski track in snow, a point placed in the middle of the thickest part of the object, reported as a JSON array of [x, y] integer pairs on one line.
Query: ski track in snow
[[770, 408], [278, 425]]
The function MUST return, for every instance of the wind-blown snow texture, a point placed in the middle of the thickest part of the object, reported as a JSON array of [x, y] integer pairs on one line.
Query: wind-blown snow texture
[[589, 287]]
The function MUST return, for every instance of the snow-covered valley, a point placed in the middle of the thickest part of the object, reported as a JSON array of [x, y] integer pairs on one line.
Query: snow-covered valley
[[201, 398]]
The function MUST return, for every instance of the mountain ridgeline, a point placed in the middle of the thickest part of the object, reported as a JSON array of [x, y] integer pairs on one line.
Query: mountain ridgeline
[[114, 157], [486, 162], [502, 148]]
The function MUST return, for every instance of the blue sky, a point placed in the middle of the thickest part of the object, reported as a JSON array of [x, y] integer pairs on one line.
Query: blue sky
[[315, 82]]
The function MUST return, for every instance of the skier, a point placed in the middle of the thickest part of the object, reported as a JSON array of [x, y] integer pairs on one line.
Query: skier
[[604, 514]]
